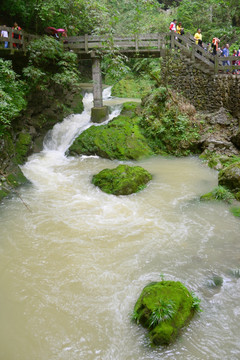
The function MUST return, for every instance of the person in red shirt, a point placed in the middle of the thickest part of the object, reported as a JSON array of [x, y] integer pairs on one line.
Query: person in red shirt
[[16, 36]]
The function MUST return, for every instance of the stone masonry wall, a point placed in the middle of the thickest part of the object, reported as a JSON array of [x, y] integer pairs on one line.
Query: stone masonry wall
[[206, 91]]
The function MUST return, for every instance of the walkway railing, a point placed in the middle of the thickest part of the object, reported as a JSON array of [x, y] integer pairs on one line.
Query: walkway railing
[[138, 43], [144, 45], [19, 42]]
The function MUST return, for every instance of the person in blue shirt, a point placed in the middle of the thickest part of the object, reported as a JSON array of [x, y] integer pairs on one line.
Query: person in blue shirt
[[225, 53]]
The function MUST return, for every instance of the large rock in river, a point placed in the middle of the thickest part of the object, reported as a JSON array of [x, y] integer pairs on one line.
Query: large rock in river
[[120, 139], [164, 308], [123, 180], [230, 177]]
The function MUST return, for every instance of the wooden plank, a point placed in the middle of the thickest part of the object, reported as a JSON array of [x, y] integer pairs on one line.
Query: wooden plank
[[216, 65], [86, 42], [11, 41]]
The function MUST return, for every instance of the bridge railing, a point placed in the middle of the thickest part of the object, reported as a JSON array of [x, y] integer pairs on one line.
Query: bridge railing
[[19, 42], [137, 44], [87, 43]]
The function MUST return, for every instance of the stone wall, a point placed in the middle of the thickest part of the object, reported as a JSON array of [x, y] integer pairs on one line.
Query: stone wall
[[206, 91]]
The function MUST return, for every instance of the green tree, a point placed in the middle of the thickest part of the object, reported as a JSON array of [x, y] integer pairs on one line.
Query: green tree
[[214, 17], [49, 64], [78, 16], [12, 96]]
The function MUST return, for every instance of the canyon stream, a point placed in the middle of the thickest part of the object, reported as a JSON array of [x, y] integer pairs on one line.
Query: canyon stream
[[74, 260]]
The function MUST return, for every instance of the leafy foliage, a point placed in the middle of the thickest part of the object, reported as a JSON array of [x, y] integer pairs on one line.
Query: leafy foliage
[[78, 16], [164, 310], [221, 193], [235, 211], [215, 18], [12, 99], [196, 302], [50, 64], [167, 126]]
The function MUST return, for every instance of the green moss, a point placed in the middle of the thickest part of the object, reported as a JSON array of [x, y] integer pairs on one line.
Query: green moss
[[119, 139], [78, 108], [123, 180], [16, 179], [22, 147], [166, 127], [230, 177], [3, 193], [158, 296], [218, 193], [9, 145], [131, 88], [99, 114], [129, 106], [235, 211]]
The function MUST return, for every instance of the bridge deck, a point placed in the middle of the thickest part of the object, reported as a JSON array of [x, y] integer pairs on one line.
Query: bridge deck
[[146, 45]]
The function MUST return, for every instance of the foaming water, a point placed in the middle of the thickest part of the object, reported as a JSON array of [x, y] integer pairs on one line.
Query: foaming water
[[75, 261]]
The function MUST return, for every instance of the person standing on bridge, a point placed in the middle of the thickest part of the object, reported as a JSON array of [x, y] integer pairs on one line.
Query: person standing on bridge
[[172, 26], [215, 44], [16, 35], [198, 37], [180, 29], [4, 34], [225, 53]]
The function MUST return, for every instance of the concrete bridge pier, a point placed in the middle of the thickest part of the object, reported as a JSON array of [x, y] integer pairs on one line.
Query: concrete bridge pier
[[99, 113]]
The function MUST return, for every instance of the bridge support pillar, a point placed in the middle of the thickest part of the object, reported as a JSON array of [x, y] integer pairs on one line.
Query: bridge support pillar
[[99, 113]]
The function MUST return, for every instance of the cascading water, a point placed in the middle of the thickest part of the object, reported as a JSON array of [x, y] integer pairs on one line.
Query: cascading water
[[63, 134], [75, 260]]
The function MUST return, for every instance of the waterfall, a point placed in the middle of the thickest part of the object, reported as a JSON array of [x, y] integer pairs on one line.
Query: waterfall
[[63, 134]]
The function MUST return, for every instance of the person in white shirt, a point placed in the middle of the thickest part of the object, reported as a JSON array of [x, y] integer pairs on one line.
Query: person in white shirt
[[4, 34]]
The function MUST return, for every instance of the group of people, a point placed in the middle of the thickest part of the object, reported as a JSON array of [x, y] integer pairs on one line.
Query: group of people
[[212, 47], [4, 34]]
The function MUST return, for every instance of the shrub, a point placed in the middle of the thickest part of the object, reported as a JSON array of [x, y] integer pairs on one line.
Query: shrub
[[50, 64], [12, 96]]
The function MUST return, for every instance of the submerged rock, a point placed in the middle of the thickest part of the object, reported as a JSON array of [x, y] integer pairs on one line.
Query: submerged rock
[[164, 308], [123, 180], [215, 281]]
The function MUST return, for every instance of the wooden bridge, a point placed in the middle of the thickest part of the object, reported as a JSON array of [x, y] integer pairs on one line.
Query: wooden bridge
[[149, 45]]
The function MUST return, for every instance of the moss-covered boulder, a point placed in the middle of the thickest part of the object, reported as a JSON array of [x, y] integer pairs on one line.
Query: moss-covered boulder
[[123, 180], [119, 139], [230, 177], [164, 308]]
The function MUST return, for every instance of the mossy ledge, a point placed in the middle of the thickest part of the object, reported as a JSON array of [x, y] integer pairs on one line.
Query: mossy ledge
[[120, 139], [123, 180], [164, 308]]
